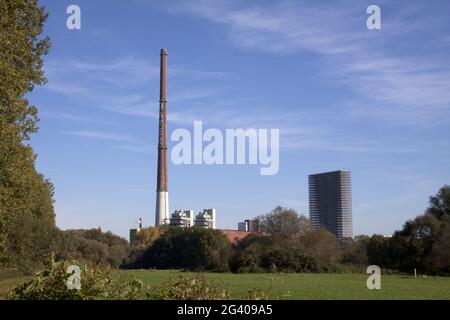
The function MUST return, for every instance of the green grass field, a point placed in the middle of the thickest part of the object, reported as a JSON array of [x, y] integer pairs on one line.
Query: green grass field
[[9, 279], [290, 286], [314, 286]]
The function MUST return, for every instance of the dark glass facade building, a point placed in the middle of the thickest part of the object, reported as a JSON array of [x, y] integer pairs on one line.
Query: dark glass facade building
[[330, 202]]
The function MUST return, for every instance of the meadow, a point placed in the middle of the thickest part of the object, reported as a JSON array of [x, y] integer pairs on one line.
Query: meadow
[[9, 279], [312, 286]]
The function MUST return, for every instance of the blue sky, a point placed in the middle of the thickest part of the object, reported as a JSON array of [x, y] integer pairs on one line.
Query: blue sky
[[375, 102]]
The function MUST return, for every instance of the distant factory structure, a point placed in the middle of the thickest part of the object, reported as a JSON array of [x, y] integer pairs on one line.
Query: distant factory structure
[[185, 219], [330, 195], [179, 218], [249, 226], [330, 202], [162, 188], [182, 218], [204, 219], [244, 229], [133, 232]]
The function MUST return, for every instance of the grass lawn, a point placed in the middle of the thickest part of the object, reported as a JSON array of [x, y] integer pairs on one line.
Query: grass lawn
[[313, 286], [288, 286], [9, 279]]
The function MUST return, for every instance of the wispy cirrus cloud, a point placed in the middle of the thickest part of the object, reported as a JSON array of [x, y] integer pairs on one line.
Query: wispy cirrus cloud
[[296, 130], [109, 86], [393, 84], [143, 149], [101, 135], [354, 145], [74, 117], [72, 76], [283, 27], [120, 72], [199, 74], [118, 141], [401, 83]]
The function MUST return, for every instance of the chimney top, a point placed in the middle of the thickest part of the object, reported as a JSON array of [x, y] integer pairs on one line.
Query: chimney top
[[163, 51]]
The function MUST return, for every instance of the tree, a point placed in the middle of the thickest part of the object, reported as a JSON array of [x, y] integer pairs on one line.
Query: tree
[[142, 241], [21, 64], [27, 224], [288, 257], [283, 223], [248, 253], [354, 251], [146, 236], [323, 246], [439, 259], [377, 250], [286, 244], [92, 245], [193, 248], [259, 253], [440, 203], [422, 244]]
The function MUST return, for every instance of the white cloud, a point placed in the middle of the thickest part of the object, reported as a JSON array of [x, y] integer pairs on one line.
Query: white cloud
[[74, 117], [397, 87], [101, 135], [71, 76], [198, 74], [144, 149], [395, 83], [120, 72]]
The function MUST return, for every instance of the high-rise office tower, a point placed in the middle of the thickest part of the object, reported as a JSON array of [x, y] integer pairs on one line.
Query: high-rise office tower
[[330, 202], [162, 192]]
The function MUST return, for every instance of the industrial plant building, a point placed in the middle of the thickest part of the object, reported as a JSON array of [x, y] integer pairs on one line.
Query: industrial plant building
[[249, 226], [330, 202], [182, 218], [206, 219], [185, 218], [179, 218], [244, 229], [133, 232], [330, 195]]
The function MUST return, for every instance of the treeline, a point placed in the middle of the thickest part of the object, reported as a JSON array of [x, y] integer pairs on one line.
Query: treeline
[[28, 234], [422, 244], [193, 248], [286, 244], [93, 246]]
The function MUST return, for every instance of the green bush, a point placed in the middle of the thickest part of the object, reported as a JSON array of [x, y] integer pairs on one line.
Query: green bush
[[287, 258], [92, 245], [189, 248], [142, 241], [259, 253], [96, 284]]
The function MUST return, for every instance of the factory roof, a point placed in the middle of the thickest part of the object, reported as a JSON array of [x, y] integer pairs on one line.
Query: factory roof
[[235, 235]]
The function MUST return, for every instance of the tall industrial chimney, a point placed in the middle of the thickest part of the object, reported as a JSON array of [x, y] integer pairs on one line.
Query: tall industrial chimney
[[162, 194]]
